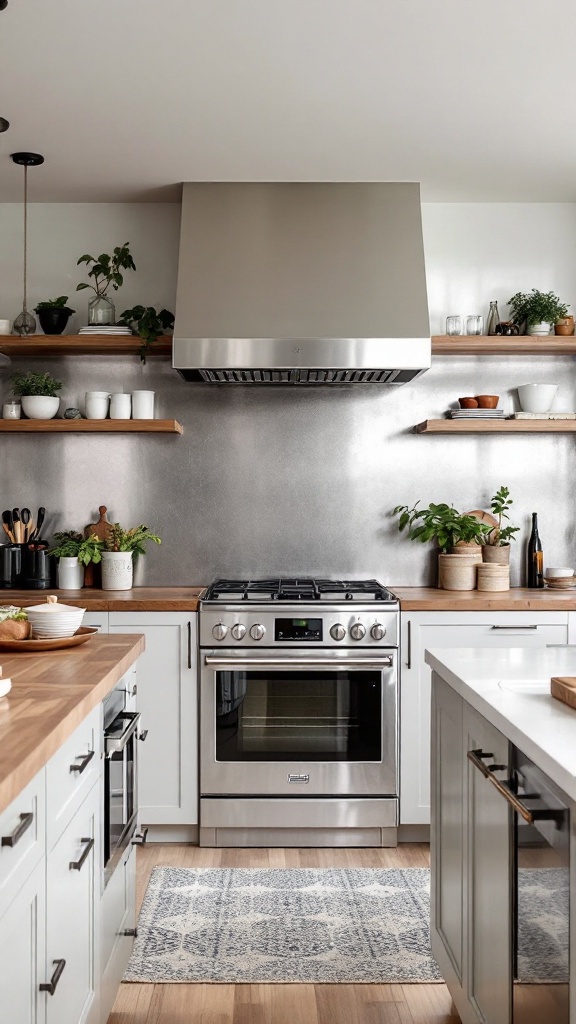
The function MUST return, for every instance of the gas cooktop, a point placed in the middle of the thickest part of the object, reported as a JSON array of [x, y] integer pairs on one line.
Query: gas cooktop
[[299, 589]]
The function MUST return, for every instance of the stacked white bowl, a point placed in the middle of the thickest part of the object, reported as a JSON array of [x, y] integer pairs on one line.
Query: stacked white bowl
[[52, 621]]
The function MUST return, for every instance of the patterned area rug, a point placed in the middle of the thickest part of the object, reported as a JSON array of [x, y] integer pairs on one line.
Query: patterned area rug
[[544, 917], [304, 925]]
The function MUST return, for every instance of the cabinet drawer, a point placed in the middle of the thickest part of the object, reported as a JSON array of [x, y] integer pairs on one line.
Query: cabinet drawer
[[71, 773], [22, 827]]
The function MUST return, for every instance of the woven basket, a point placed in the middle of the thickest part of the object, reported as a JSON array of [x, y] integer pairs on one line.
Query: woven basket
[[457, 572], [492, 577], [498, 554], [473, 551]]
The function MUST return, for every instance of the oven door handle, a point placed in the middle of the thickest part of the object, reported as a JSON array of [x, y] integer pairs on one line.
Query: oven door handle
[[115, 744], [308, 663]]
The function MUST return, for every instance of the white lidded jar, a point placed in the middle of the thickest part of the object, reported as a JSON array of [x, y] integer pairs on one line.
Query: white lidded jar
[[70, 575], [116, 570]]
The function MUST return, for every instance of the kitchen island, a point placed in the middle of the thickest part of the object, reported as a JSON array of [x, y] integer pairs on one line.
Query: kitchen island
[[503, 837]]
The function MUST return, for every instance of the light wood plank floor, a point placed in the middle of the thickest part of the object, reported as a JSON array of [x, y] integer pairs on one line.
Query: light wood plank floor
[[281, 1004]]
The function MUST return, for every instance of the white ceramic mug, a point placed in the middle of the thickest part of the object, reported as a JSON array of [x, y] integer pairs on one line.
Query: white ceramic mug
[[4, 327], [11, 411], [120, 405], [97, 405], [142, 405]]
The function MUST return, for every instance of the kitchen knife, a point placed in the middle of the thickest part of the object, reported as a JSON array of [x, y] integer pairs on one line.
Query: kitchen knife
[[18, 532]]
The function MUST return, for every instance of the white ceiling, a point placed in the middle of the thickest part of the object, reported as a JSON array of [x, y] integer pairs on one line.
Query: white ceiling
[[127, 98]]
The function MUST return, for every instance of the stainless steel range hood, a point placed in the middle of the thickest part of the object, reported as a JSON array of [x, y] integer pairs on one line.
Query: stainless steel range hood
[[301, 283]]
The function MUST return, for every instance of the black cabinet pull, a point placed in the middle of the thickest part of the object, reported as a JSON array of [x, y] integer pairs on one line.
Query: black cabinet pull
[[83, 763], [130, 933], [50, 986], [25, 822], [142, 735], [140, 838], [75, 865], [190, 644]]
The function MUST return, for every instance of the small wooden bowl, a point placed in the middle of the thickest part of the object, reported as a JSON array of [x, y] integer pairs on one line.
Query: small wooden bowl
[[487, 401], [468, 403]]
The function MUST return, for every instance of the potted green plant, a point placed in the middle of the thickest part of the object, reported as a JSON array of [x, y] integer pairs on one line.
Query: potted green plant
[[537, 310], [117, 554], [448, 528], [39, 394], [54, 314], [74, 552], [149, 324], [496, 543], [106, 273]]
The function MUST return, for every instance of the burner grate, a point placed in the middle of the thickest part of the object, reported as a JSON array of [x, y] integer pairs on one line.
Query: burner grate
[[298, 589]]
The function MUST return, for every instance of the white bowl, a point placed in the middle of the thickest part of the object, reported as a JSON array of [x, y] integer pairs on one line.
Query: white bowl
[[47, 624], [40, 407], [536, 397], [558, 573]]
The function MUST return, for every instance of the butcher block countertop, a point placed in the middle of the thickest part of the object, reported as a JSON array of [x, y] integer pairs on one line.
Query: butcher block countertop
[[52, 693], [518, 599], [139, 599]]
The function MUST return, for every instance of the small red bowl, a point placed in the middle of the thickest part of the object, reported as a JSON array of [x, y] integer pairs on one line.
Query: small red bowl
[[487, 401], [468, 403]]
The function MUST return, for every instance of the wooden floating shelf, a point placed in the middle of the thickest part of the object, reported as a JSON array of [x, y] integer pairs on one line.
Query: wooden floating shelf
[[484, 345], [496, 427], [90, 427], [54, 345]]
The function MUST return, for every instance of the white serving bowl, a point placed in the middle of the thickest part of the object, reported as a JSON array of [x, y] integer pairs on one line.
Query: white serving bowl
[[40, 407], [558, 573], [537, 397], [61, 622]]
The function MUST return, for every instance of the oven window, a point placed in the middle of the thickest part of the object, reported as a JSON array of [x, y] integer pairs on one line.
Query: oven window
[[275, 716], [119, 804]]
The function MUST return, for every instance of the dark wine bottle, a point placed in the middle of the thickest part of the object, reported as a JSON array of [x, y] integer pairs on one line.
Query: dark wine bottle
[[535, 556]]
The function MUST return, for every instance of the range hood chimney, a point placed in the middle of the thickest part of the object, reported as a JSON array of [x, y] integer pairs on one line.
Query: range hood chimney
[[301, 283]]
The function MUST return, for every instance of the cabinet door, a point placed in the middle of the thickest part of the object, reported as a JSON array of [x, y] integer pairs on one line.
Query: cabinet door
[[99, 619], [118, 917], [167, 699], [487, 853], [422, 630], [447, 905], [23, 954], [72, 879]]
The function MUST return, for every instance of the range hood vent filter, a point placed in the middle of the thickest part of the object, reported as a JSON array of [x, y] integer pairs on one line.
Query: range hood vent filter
[[300, 376]]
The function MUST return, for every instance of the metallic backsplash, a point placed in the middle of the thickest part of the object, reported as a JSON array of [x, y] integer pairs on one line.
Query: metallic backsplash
[[294, 480]]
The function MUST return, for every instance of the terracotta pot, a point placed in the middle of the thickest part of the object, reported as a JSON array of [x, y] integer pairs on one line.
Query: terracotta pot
[[457, 572], [496, 554], [565, 326]]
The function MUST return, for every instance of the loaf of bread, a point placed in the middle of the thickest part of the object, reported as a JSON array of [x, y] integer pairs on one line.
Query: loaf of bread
[[14, 624]]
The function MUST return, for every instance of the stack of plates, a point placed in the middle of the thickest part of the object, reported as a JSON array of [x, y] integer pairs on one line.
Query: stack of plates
[[105, 329], [48, 625], [560, 582], [476, 414]]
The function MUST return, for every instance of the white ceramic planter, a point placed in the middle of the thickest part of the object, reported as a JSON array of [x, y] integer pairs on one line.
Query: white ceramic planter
[[537, 329], [70, 574], [40, 407], [116, 570]]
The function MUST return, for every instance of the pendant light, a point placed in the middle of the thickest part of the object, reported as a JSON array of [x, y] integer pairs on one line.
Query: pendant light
[[25, 322]]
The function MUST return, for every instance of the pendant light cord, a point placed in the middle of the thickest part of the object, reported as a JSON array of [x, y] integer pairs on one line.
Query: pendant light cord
[[25, 231]]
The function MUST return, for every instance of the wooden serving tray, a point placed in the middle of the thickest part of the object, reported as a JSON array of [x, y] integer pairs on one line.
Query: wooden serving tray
[[564, 689], [30, 646]]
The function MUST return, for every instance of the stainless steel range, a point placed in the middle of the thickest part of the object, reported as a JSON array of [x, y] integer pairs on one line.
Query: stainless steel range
[[298, 713]]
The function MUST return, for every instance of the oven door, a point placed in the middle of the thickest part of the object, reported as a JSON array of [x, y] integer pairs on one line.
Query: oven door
[[299, 723], [120, 786]]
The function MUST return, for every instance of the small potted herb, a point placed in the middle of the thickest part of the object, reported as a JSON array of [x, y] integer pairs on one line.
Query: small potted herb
[[117, 553], [149, 325], [74, 552], [54, 314], [39, 394], [496, 543], [538, 311], [449, 528], [105, 273]]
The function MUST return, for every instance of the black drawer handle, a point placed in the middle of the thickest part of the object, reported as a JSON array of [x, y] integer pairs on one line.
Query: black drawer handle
[[75, 865], [25, 822], [142, 735], [50, 986], [130, 933], [140, 837], [83, 763]]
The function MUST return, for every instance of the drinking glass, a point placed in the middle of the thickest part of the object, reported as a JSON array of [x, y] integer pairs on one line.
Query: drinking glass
[[474, 324], [453, 325]]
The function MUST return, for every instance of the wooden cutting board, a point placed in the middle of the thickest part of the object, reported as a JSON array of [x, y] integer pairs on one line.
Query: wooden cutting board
[[564, 689], [101, 529]]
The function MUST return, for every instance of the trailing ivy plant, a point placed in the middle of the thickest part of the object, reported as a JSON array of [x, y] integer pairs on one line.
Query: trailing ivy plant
[[149, 324], [106, 270], [442, 523]]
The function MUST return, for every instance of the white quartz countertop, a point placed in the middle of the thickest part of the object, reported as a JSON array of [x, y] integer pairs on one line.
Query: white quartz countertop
[[511, 688]]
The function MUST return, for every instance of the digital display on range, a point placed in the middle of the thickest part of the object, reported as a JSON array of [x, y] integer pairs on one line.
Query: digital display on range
[[298, 629]]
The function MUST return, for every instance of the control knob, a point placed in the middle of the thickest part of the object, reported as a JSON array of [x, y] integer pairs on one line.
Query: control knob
[[357, 631], [377, 631], [238, 631], [219, 631], [337, 632], [257, 631]]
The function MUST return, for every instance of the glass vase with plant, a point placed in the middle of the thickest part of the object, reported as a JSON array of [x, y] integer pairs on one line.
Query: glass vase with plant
[[39, 394], [149, 324], [536, 309], [106, 273], [120, 547]]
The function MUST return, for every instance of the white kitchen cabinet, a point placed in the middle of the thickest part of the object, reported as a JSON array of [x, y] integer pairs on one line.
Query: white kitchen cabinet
[[423, 630], [168, 701], [99, 619], [470, 854], [117, 930], [23, 952]]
